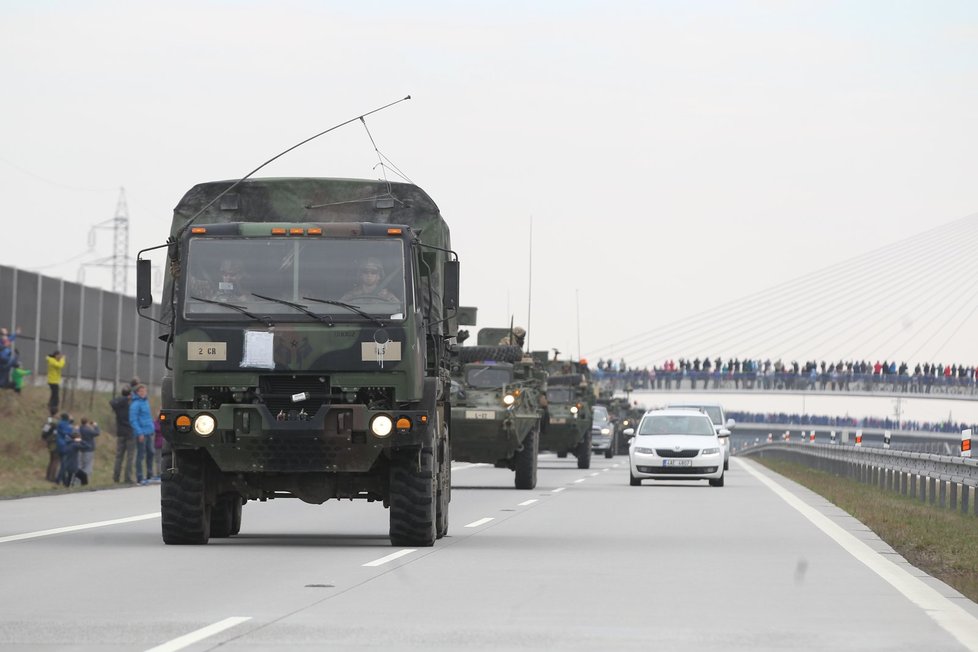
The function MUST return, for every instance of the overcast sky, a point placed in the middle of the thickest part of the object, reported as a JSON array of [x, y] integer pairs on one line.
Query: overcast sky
[[672, 156]]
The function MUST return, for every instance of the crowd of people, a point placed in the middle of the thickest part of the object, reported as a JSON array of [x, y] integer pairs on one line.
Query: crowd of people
[[733, 373], [71, 446], [782, 418]]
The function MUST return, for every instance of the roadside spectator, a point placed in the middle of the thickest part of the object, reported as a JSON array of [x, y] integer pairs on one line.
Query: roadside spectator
[[142, 430], [125, 445], [56, 364], [17, 376], [6, 360], [69, 446], [49, 434], [88, 430]]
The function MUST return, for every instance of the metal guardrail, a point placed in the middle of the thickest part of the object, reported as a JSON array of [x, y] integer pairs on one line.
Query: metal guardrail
[[941, 480]]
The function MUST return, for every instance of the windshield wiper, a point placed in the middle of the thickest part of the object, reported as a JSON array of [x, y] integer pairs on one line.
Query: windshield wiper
[[326, 319], [348, 306], [267, 320]]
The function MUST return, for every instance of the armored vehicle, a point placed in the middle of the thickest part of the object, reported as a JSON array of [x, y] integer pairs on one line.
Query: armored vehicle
[[309, 324], [570, 398], [496, 410]]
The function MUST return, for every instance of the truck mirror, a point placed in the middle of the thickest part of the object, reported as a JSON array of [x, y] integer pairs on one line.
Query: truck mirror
[[451, 285], [144, 276]]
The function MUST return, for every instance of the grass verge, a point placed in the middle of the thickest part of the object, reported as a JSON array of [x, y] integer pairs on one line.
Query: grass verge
[[938, 541], [24, 457]]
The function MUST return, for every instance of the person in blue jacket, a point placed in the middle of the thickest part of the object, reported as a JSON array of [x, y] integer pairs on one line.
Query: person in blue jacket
[[142, 431], [70, 445]]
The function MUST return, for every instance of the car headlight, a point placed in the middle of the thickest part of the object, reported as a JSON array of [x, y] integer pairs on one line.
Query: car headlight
[[710, 451], [606, 431], [644, 451], [204, 425], [381, 425], [573, 409], [509, 399]]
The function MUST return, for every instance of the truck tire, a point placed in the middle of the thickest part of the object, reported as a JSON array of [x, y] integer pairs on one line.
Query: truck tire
[[413, 498], [561, 454], [185, 514], [584, 452], [226, 516], [444, 488], [496, 353], [526, 462]]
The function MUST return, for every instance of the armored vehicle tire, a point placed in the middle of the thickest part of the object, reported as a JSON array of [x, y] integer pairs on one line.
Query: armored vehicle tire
[[526, 462], [632, 480], [609, 452], [226, 516], [496, 353], [413, 498], [718, 482], [561, 454], [584, 453], [185, 514]]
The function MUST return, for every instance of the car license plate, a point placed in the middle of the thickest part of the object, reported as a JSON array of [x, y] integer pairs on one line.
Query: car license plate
[[558, 420], [677, 462], [479, 414]]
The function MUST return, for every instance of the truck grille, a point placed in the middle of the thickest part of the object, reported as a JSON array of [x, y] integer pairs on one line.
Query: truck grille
[[277, 392]]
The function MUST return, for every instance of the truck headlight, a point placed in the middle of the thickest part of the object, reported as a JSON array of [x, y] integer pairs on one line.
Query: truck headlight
[[509, 399], [573, 409], [204, 425], [381, 425]]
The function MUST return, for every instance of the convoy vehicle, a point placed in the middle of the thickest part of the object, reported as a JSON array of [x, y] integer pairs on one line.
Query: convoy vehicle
[[288, 373], [675, 444], [604, 432], [721, 424], [497, 412], [570, 399]]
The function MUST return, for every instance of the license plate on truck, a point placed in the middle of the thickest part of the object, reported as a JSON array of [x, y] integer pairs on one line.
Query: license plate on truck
[[559, 420], [480, 414]]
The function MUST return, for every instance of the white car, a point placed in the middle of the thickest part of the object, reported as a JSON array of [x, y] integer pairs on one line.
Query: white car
[[675, 444], [722, 425]]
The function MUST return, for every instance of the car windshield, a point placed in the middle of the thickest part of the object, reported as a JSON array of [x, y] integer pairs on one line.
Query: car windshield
[[560, 395], [488, 376], [600, 416], [712, 410], [676, 425], [367, 273]]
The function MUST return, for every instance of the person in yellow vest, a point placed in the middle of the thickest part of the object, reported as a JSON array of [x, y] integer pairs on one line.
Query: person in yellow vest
[[56, 363]]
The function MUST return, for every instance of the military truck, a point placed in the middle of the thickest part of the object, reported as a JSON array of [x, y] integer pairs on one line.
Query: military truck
[[496, 409], [297, 372], [570, 397]]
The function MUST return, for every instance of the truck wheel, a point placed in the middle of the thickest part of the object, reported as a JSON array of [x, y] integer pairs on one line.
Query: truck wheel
[[561, 454], [185, 514], [584, 453], [226, 516], [413, 498], [444, 489], [526, 462]]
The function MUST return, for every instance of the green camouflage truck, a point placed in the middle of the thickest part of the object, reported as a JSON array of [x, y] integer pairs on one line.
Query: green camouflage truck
[[496, 408], [309, 326], [570, 397]]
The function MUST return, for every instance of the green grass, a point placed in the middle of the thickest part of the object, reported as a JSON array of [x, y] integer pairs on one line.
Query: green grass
[[24, 457], [938, 541]]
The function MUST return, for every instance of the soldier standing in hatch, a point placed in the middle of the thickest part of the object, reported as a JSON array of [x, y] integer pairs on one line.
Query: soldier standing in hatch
[[515, 337]]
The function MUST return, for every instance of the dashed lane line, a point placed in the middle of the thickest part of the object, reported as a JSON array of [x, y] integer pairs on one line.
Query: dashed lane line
[[527, 502], [558, 490], [481, 521], [391, 557], [77, 528], [194, 637], [579, 480]]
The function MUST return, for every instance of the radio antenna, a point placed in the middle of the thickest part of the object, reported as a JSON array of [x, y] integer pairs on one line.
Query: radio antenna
[[283, 153]]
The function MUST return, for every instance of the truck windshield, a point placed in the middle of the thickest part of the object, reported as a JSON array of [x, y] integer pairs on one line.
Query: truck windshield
[[364, 272], [488, 377], [560, 395]]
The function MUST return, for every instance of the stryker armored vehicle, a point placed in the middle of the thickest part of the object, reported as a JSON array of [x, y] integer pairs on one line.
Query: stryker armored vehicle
[[570, 397], [309, 326], [496, 408]]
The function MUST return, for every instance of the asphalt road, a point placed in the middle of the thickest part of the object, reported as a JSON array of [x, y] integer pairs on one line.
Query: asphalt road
[[582, 562]]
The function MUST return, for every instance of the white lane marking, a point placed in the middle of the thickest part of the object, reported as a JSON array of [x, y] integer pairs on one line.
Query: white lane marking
[[955, 620], [76, 528], [527, 502], [579, 480], [481, 521], [606, 470], [558, 490], [615, 466], [391, 557], [193, 637], [595, 474], [468, 466]]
